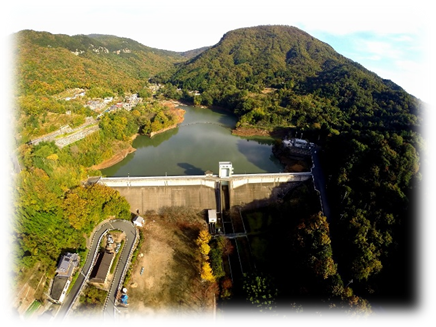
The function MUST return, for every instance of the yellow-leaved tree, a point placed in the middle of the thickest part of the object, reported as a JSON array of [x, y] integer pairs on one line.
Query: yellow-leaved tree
[[206, 272], [203, 238], [204, 249]]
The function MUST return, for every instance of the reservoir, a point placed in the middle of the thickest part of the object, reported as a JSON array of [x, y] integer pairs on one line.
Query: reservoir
[[195, 146]]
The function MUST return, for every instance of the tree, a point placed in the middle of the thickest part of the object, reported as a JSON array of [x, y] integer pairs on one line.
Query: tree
[[204, 249], [206, 272], [260, 291], [203, 237]]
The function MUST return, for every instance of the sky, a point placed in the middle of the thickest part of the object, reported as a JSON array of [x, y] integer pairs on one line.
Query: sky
[[387, 37]]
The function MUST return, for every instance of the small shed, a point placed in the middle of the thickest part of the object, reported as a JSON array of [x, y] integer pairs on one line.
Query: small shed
[[208, 173], [138, 221], [124, 298], [211, 215]]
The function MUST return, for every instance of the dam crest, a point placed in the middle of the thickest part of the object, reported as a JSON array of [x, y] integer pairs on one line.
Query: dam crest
[[222, 191]]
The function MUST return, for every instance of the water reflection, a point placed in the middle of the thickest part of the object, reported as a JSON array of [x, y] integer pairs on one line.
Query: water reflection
[[190, 169], [155, 141], [193, 149]]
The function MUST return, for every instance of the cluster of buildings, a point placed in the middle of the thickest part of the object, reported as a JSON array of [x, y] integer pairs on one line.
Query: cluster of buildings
[[128, 104], [298, 146], [77, 95], [68, 263]]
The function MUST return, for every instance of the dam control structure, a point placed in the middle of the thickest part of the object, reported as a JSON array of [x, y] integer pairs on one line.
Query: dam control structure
[[209, 191]]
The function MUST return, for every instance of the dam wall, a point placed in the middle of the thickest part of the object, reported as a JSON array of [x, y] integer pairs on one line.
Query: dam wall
[[250, 196], [203, 191], [144, 198]]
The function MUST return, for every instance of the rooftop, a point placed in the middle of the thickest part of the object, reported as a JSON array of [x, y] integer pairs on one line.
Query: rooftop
[[67, 264], [57, 288], [101, 268]]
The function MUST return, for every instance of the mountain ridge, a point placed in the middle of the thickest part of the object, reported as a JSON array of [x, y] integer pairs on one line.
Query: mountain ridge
[[303, 72]]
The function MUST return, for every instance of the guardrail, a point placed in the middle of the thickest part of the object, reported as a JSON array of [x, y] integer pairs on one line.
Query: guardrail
[[123, 274], [86, 277]]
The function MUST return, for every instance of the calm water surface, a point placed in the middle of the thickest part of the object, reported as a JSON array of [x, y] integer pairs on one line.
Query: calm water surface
[[197, 145]]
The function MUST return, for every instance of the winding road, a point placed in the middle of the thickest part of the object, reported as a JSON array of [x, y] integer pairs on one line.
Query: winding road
[[131, 236]]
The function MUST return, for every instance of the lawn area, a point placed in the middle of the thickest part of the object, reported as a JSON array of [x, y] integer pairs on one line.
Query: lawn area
[[33, 308]]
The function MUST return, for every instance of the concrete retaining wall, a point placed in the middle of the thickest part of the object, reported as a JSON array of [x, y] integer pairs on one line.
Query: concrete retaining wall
[[256, 195], [156, 197], [199, 192]]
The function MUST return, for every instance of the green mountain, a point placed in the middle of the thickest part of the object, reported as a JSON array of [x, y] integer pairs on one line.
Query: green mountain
[[281, 78], [51, 67], [275, 78], [49, 63], [280, 75], [193, 53]]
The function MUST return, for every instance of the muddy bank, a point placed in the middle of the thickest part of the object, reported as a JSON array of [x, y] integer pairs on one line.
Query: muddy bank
[[118, 157], [250, 131], [253, 131]]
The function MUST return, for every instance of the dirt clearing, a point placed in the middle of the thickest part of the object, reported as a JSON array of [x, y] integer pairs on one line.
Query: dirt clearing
[[165, 277]]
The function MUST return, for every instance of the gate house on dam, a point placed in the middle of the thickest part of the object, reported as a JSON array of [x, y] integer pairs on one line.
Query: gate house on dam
[[207, 191]]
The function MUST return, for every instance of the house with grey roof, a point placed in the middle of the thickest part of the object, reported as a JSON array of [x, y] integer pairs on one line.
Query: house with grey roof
[[68, 262]]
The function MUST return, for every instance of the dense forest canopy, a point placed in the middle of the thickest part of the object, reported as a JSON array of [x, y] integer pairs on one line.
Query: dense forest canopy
[[281, 76], [271, 77]]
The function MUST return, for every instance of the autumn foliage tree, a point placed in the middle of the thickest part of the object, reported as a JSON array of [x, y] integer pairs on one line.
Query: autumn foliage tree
[[87, 206], [206, 272], [312, 236]]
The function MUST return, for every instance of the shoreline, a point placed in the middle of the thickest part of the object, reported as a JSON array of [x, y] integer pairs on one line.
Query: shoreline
[[116, 158], [255, 131], [121, 155], [179, 113]]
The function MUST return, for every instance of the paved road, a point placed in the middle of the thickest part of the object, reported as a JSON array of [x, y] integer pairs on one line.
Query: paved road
[[130, 231]]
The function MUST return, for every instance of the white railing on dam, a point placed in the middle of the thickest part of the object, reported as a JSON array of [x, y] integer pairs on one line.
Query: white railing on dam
[[243, 179], [208, 181], [158, 181]]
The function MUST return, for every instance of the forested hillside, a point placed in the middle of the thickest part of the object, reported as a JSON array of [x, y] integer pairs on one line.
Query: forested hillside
[[50, 63], [281, 76], [271, 77], [369, 129], [56, 77], [39, 67]]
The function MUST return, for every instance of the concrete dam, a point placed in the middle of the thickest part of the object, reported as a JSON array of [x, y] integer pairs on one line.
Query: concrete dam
[[222, 191]]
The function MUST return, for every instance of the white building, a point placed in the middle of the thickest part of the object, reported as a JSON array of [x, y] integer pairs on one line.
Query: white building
[[68, 262], [225, 169], [138, 221], [211, 215], [298, 143]]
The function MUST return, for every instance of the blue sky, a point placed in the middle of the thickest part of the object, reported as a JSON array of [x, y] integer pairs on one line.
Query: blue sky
[[387, 37]]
